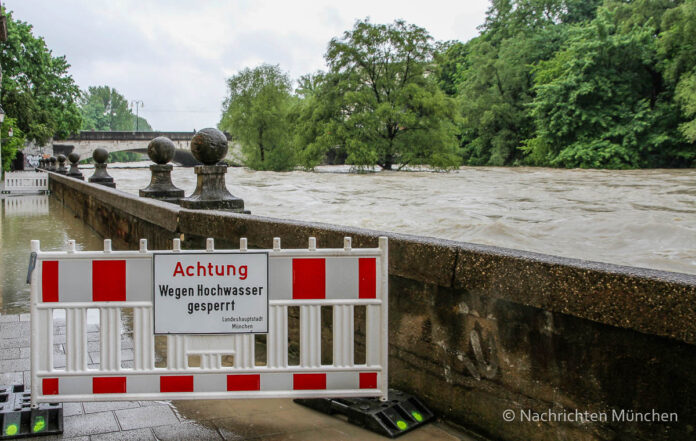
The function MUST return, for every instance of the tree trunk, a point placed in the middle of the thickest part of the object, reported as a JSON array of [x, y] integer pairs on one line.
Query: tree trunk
[[261, 144]]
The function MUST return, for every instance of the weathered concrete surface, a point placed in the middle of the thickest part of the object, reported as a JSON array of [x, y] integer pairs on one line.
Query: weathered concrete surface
[[475, 330]]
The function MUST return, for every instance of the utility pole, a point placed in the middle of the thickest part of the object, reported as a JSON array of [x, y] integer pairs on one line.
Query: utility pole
[[137, 104]]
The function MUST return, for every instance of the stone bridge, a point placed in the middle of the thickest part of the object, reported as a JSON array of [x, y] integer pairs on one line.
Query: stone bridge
[[85, 142]]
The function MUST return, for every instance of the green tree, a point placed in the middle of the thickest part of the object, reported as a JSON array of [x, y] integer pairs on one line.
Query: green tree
[[677, 49], [104, 109], [313, 112], [600, 102], [256, 113], [10, 144], [36, 87], [387, 107], [495, 78]]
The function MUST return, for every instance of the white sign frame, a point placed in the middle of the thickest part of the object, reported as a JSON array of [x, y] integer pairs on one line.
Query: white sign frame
[[237, 257]]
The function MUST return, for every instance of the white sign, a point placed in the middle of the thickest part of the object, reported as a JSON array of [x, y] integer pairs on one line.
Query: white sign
[[210, 293]]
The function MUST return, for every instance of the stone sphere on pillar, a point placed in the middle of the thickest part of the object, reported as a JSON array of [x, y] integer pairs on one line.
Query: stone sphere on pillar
[[53, 160], [61, 159], [74, 157], [100, 155], [161, 150], [209, 146]]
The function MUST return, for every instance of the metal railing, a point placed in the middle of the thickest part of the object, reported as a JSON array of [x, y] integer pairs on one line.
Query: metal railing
[[26, 182]]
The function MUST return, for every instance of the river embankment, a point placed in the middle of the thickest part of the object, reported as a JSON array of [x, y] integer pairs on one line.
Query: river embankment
[[477, 330]]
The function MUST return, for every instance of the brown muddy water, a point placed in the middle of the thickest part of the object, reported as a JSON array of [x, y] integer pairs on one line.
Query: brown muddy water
[[644, 218]]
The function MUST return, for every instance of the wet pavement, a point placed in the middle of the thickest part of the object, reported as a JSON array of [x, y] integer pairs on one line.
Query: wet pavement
[[261, 419]]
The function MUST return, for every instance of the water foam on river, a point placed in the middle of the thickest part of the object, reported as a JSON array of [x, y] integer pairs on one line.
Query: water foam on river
[[643, 218]]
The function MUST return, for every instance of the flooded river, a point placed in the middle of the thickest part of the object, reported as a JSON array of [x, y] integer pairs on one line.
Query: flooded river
[[643, 218]]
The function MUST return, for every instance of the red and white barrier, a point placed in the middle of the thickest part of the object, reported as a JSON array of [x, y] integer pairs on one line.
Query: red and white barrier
[[109, 281]]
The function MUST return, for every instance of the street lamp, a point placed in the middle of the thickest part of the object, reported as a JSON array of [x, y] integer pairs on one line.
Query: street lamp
[[137, 104]]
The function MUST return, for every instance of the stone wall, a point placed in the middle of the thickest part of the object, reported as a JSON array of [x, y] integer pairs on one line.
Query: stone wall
[[475, 330]]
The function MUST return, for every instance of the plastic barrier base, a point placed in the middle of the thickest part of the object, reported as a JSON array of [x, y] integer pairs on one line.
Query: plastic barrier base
[[18, 419], [400, 414]]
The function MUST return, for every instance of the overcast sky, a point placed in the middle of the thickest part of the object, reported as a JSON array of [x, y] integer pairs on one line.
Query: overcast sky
[[175, 55]]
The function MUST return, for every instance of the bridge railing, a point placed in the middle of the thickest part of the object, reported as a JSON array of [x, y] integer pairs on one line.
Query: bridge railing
[[26, 182]]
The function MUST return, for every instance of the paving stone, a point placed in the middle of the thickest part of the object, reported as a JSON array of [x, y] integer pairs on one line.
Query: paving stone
[[185, 432], [58, 338], [10, 353], [126, 355], [15, 365], [26, 378], [127, 435], [89, 424], [15, 330], [58, 361], [103, 406], [24, 352], [92, 336], [154, 403], [146, 417], [11, 378], [70, 409], [57, 437], [4, 318], [21, 342], [126, 342], [24, 317], [58, 348]]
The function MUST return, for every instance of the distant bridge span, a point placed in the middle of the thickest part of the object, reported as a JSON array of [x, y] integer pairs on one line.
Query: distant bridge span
[[86, 142]]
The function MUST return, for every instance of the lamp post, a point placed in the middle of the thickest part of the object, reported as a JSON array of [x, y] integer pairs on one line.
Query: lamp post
[[137, 104]]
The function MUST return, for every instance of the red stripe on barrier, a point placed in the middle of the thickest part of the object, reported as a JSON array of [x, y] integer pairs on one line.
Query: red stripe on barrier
[[109, 385], [50, 386], [109, 280], [308, 381], [308, 278], [368, 380], [244, 382], [176, 383], [368, 278], [49, 280]]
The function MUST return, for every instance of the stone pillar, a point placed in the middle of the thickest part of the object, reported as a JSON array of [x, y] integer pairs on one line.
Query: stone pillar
[[161, 151], [61, 165], [52, 163], [100, 175], [209, 146], [75, 172]]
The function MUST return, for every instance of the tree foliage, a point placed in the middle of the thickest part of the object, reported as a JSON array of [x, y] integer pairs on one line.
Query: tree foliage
[[104, 109], [563, 83], [10, 144], [380, 103], [677, 48], [580, 84], [36, 88], [256, 114]]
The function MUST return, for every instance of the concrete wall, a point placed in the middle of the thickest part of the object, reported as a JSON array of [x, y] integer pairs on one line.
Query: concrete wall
[[475, 330]]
